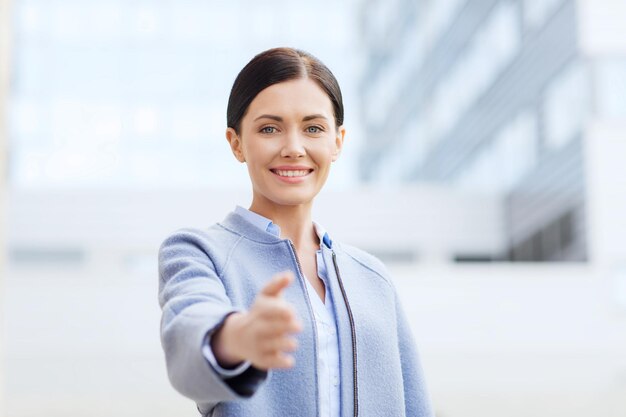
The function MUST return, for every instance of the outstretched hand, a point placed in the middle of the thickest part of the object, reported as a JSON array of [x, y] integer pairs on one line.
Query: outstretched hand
[[261, 335]]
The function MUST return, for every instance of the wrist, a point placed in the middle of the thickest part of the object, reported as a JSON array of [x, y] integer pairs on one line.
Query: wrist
[[225, 342]]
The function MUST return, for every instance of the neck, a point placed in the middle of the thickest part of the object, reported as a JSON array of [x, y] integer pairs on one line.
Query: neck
[[294, 221]]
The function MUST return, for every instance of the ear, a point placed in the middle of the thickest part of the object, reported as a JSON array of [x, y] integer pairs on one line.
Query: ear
[[341, 133], [235, 144]]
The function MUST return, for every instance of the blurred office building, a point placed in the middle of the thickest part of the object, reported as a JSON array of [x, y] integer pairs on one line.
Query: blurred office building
[[497, 97]]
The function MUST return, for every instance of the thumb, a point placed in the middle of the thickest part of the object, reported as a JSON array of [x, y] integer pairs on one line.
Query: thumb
[[277, 284]]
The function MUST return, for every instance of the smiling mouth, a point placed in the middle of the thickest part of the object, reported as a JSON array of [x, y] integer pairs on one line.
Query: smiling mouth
[[292, 172]]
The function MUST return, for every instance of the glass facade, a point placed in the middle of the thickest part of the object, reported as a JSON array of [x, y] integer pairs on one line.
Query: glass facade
[[493, 98], [488, 52]]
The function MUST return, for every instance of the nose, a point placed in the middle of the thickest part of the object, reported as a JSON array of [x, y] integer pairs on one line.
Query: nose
[[293, 146]]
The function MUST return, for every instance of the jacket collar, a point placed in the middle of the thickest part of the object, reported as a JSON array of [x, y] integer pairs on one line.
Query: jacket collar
[[241, 226], [244, 227]]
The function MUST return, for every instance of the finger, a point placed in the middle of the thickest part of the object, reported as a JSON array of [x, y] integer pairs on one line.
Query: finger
[[279, 344], [287, 344], [295, 326], [273, 331], [277, 284], [275, 309], [279, 360], [281, 318], [275, 327]]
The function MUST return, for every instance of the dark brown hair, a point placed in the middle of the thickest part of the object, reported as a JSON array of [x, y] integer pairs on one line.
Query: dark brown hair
[[274, 66]]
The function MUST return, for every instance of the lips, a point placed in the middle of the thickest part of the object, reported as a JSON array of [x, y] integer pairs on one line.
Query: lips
[[291, 174], [291, 171]]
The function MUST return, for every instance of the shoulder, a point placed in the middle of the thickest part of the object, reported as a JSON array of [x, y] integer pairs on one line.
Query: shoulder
[[365, 260], [214, 241], [215, 234]]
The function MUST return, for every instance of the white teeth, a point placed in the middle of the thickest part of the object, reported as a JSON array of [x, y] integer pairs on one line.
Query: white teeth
[[291, 173]]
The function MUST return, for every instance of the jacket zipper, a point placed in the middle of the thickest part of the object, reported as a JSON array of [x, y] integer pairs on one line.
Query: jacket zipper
[[308, 303], [354, 370], [350, 317]]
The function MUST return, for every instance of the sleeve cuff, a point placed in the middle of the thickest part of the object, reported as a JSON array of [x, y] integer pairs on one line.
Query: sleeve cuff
[[210, 357]]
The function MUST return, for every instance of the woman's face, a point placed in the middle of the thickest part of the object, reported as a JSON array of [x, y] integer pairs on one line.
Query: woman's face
[[288, 139]]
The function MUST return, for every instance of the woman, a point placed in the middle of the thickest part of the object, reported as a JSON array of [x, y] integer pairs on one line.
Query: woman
[[263, 314]]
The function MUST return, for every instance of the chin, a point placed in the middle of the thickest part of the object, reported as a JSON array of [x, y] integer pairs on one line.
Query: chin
[[291, 198], [292, 201]]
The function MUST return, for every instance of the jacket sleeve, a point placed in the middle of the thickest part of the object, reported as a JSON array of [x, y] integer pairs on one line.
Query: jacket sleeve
[[416, 398], [194, 304]]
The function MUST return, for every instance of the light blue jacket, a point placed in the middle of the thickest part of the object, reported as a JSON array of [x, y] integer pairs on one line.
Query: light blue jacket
[[206, 274]]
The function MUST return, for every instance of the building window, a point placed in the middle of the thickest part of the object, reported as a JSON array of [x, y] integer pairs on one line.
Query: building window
[[504, 161], [536, 12], [490, 50], [550, 242], [437, 16], [566, 105]]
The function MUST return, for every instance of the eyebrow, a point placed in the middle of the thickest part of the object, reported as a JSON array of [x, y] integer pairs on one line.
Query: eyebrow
[[280, 119], [313, 116], [269, 116]]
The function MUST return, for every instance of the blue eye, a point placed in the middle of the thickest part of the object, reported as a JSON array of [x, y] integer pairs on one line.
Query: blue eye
[[268, 129], [314, 129]]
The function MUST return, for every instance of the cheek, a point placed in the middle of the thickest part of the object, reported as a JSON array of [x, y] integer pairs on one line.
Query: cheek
[[256, 154], [323, 155]]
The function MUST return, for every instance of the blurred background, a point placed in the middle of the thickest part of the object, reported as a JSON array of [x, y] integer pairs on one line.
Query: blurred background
[[486, 141]]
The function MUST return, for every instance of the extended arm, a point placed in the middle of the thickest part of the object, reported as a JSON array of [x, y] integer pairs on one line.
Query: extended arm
[[200, 326], [194, 304]]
